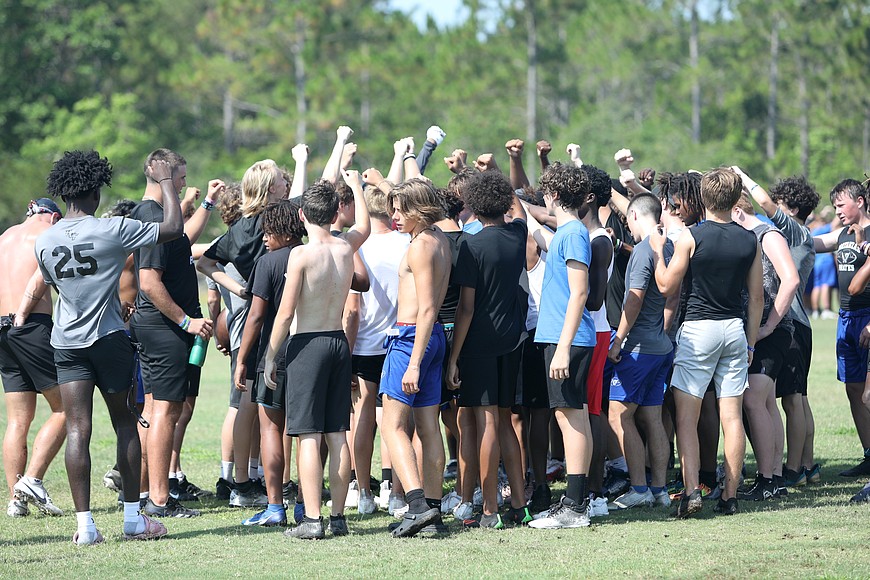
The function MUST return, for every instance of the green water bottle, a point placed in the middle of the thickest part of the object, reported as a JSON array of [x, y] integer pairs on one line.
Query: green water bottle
[[197, 351]]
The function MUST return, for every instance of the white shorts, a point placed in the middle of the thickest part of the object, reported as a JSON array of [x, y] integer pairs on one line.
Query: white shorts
[[711, 350]]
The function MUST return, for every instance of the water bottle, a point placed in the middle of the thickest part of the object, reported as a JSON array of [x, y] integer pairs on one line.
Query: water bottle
[[197, 351]]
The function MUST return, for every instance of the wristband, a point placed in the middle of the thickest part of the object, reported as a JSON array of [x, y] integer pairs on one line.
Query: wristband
[[207, 205], [750, 348], [409, 156], [185, 323]]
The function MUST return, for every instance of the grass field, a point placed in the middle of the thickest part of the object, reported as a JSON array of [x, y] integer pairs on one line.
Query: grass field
[[813, 533]]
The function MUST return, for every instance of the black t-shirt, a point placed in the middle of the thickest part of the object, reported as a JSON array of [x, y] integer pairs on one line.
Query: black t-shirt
[[241, 245], [174, 260], [267, 282], [491, 262], [849, 261], [723, 256], [447, 313], [616, 285]]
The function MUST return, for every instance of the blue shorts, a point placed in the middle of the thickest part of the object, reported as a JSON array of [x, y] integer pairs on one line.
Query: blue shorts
[[641, 378], [851, 358], [399, 347], [825, 274]]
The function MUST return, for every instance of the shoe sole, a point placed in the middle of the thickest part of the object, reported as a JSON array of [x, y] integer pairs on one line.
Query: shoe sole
[[694, 507], [26, 496], [557, 526], [412, 524]]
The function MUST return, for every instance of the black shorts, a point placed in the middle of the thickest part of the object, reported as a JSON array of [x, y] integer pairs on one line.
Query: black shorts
[[532, 391], [235, 394], [447, 394], [368, 367], [793, 376], [26, 355], [109, 363], [318, 383], [569, 393], [490, 380], [261, 394], [770, 353], [164, 352]]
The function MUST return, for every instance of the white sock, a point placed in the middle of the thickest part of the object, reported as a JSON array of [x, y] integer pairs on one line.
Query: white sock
[[179, 475], [133, 524], [227, 470], [86, 523], [253, 463], [143, 495]]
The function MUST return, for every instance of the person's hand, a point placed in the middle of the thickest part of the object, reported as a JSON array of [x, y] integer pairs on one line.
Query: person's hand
[[626, 176], [857, 231], [486, 162], [749, 356], [864, 338], [514, 148], [657, 239], [765, 331], [435, 134], [200, 327], [270, 374], [352, 178], [215, 188], [240, 376], [343, 133], [403, 146], [411, 380], [647, 177], [19, 319], [543, 148], [127, 310], [456, 162], [372, 176], [159, 170], [354, 384], [623, 158], [559, 364], [191, 194], [221, 349], [300, 153], [573, 151], [615, 352], [409, 145], [347, 155], [452, 375]]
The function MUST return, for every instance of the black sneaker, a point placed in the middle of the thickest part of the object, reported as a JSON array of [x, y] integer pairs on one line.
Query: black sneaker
[[175, 491], [859, 470], [197, 492], [690, 504], [542, 498], [616, 483], [289, 491], [307, 530], [172, 509], [338, 525], [726, 507], [779, 488], [142, 501], [223, 489], [761, 490], [518, 516]]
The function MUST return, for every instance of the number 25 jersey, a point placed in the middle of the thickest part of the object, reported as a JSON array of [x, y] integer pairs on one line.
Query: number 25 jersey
[[83, 259]]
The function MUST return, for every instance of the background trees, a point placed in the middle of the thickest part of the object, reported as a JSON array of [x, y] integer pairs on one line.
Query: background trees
[[778, 86]]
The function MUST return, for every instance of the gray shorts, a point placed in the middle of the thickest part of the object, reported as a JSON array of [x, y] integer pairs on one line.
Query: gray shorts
[[711, 350]]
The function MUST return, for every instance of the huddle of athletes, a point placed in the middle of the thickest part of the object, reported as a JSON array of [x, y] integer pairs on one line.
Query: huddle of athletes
[[491, 306]]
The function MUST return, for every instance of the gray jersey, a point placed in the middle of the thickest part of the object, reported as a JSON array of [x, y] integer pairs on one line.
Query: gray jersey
[[237, 308], [647, 336], [83, 259], [800, 242]]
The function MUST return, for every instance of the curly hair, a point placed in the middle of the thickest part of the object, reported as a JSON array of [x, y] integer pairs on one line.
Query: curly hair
[[600, 184], [569, 182], [459, 182], [417, 199], [320, 203], [488, 194], [230, 204], [851, 188], [281, 218], [797, 193], [121, 208], [79, 174], [450, 202]]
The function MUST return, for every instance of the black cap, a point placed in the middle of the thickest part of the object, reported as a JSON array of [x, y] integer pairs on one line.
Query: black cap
[[43, 205]]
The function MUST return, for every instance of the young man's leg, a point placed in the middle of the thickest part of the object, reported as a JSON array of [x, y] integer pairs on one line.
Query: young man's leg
[[364, 436], [50, 437], [310, 472], [760, 424], [78, 403], [622, 421], [650, 420], [164, 417], [731, 414], [429, 431], [795, 430], [20, 410], [469, 456], [688, 409], [487, 425], [272, 451], [339, 470], [180, 430]]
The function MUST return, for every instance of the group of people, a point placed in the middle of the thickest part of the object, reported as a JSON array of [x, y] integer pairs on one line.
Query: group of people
[[584, 327]]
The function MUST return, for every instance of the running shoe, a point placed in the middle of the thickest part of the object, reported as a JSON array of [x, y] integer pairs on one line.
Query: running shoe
[[863, 495], [463, 511], [172, 509], [450, 501], [298, 511], [814, 473], [542, 497], [726, 507], [352, 494], [197, 492], [565, 514], [92, 539], [663, 499], [598, 507], [450, 470], [366, 504], [690, 504], [31, 490], [17, 509], [708, 493], [112, 480], [153, 530], [632, 499], [518, 516], [338, 525], [289, 491], [859, 470], [247, 494], [383, 499], [761, 490], [307, 530], [223, 489], [178, 493], [792, 478], [267, 519], [616, 483]]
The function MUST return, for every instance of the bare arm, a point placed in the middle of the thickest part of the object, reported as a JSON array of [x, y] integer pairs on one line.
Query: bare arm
[[543, 149], [542, 235], [285, 314], [197, 222], [422, 266], [757, 192], [630, 310], [362, 225], [151, 283], [462, 322], [672, 309], [209, 267], [350, 318], [409, 162], [300, 156], [578, 285], [400, 148], [250, 337], [172, 225], [618, 202], [669, 277], [826, 243], [602, 252], [33, 293], [777, 251], [332, 171], [755, 308], [518, 176]]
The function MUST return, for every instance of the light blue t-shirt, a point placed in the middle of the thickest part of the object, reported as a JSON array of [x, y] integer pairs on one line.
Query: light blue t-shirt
[[571, 242], [472, 228]]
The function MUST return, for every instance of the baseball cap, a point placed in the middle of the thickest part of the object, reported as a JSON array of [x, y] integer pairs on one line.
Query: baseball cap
[[43, 205]]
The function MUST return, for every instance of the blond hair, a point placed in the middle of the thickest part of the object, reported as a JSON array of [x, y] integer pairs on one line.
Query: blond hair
[[256, 183], [376, 200], [418, 200], [720, 189]]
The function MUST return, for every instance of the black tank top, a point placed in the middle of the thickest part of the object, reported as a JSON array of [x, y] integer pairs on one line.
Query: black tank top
[[849, 261], [723, 256]]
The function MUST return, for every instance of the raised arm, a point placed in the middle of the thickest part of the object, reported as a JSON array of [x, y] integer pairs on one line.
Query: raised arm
[[624, 159], [757, 192], [544, 148], [172, 225], [397, 167], [456, 162], [434, 136], [300, 156], [362, 226], [332, 171], [197, 222], [409, 161], [669, 277], [541, 234], [518, 176], [573, 151]]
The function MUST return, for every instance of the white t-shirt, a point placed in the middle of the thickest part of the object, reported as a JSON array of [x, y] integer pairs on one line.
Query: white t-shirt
[[536, 283], [382, 254], [599, 317]]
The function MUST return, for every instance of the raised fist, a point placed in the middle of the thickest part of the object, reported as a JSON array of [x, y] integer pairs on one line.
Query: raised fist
[[514, 148], [623, 158], [159, 169], [300, 153], [647, 177], [573, 151], [435, 134], [343, 133], [485, 162], [372, 176], [401, 147], [544, 148], [215, 188], [352, 178], [456, 162], [191, 194]]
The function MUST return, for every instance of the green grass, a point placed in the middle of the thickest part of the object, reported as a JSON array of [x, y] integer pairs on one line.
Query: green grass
[[813, 533]]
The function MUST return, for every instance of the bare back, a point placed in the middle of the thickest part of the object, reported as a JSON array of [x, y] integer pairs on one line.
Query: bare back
[[18, 263], [326, 268], [426, 285]]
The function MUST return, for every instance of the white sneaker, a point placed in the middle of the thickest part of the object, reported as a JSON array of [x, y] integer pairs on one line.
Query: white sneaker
[[112, 480], [31, 490], [395, 503], [450, 501], [352, 495], [463, 511], [17, 509], [598, 507], [400, 511], [828, 315], [632, 499], [662, 498], [383, 499], [366, 504], [565, 514]]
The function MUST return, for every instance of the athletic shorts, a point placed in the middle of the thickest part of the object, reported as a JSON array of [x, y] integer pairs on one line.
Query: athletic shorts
[[163, 355], [447, 394], [26, 355], [399, 347], [770, 352], [825, 275], [109, 363], [266, 397], [569, 393], [851, 358], [711, 350], [368, 367], [641, 379], [140, 386], [595, 380], [490, 381], [318, 383], [532, 390], [609, 370], [793, 378]]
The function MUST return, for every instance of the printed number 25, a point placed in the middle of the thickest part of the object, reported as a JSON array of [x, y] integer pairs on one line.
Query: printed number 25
[[88, 265]]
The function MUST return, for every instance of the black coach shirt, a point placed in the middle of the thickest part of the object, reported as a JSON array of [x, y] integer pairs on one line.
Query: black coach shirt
[[241, 245]]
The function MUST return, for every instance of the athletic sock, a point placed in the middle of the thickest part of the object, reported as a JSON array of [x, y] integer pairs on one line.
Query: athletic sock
[[656, 490], [640, 488], [387, 474], [227, 470], [85, 522], [352, 474], [619, 464], [143, 495], [433, 503], [574, 492], [416, 501], [133, 524], [179, 475], [275, 508], [708, 478], [253, 464]]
